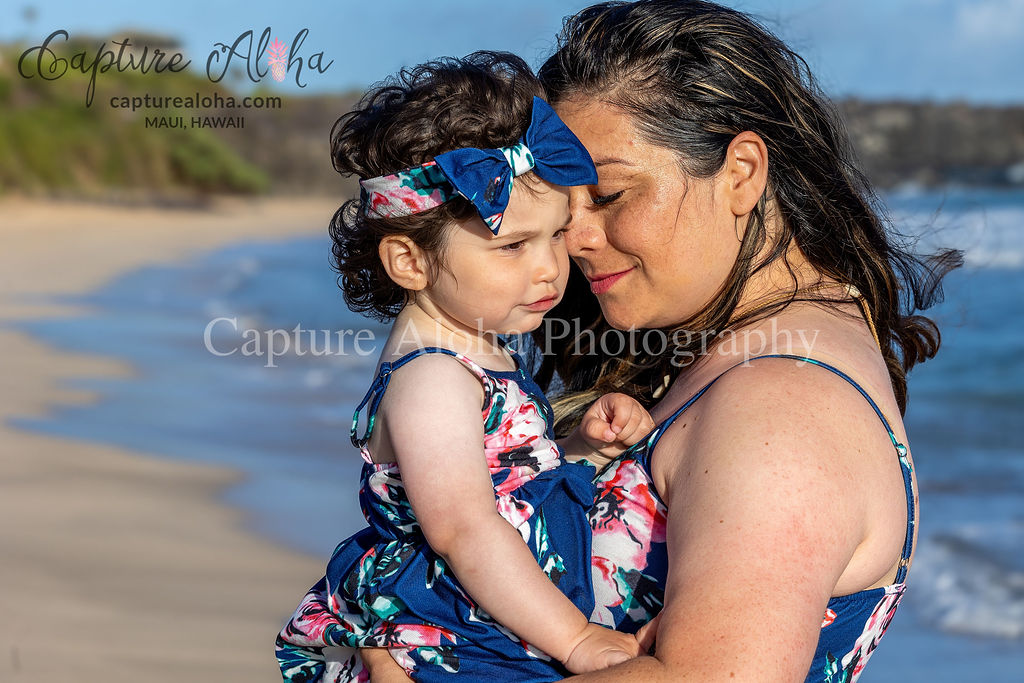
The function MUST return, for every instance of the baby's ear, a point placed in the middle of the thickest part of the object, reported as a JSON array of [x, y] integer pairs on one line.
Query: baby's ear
[[407, 265]]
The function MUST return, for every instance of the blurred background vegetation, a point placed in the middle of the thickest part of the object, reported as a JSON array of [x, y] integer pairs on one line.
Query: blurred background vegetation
[[52, 145]]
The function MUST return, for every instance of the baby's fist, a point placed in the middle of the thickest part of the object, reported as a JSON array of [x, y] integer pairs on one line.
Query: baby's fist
[[613, 423]]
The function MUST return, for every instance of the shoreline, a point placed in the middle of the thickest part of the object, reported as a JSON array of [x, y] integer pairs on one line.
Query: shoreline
[[119, 563]]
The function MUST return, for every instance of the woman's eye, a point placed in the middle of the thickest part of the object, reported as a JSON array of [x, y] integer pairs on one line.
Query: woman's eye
[[602, 199]]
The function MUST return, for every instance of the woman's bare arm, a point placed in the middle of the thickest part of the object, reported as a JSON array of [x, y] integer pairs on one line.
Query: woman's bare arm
[[766, 509]]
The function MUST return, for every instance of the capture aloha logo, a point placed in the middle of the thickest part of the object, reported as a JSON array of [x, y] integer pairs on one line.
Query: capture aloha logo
[[277, 60], [247, 52], [46, 61]]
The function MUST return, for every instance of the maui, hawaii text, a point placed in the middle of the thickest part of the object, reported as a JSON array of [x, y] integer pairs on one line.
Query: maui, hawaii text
[[195, 122]]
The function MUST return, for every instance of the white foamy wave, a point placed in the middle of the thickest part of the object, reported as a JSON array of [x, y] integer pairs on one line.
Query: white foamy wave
[[237, 274], [990, 233], [959, 586], [983, 258], [316, 378], [215, 308]]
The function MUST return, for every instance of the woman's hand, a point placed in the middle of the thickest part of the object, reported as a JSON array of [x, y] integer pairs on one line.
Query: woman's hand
[[600, 648], [381, 666], [612, 424]]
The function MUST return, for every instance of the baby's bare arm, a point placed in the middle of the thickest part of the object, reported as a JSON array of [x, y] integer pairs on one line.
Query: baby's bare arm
[[437, 442]]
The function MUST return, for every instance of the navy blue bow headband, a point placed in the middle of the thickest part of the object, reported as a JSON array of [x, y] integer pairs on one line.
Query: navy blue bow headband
[[484, 176]]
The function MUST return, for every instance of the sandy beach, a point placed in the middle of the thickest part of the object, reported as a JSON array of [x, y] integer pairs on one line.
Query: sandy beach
[[118, 565]]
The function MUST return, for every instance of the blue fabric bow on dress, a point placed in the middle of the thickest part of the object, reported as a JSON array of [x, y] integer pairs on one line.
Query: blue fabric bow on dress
[[485, 176]]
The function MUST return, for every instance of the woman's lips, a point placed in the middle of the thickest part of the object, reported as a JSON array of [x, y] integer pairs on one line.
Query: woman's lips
[[600, 284], [543, 304]]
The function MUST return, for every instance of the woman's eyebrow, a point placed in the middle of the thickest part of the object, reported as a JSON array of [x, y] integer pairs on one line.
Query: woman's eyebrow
[[605, 161]]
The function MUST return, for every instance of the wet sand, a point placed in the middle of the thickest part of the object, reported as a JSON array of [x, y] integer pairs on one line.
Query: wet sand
[[118, 565]]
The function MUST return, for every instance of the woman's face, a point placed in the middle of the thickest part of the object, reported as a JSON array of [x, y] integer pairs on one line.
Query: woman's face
[[655, 244]]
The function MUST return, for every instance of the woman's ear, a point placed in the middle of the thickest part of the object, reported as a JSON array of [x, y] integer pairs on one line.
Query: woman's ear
[[407, 265], [746, 172]]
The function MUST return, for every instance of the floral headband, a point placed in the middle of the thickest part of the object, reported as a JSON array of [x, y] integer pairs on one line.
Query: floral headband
[[484, 176]]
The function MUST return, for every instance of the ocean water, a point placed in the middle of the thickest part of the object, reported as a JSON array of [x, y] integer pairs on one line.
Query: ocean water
[[207, 389]]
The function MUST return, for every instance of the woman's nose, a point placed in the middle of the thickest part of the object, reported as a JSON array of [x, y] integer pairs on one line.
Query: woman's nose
[[584, 232], [583, 235]]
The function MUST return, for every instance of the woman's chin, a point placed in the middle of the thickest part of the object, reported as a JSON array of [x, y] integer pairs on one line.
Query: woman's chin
[[623, 319]]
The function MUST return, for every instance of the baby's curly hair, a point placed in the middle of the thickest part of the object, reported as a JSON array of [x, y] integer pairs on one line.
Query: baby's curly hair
[[483, 100]]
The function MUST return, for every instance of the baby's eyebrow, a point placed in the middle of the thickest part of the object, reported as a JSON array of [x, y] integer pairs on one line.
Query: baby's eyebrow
[[526, 234], [518, 235]]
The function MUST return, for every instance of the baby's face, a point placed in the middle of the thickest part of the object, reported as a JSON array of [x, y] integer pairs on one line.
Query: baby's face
[[505, 283]]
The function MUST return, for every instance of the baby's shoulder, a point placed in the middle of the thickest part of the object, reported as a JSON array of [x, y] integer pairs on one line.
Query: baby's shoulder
[[433, 380]]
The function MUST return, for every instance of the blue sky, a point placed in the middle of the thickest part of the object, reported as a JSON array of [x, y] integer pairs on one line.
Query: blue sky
[[934, 49]]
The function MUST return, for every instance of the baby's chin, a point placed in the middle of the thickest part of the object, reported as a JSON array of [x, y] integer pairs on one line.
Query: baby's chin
[[517, 330]]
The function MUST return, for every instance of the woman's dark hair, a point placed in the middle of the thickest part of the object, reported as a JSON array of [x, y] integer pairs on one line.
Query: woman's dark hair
[[692, 75], [483, 100]]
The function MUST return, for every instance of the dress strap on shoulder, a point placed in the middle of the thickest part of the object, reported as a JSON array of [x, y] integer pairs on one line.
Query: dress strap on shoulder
[[901, 449], [380, 383]]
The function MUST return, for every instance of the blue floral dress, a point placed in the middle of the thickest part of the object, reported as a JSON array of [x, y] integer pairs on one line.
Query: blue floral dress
[[630, 562], [385, 587]]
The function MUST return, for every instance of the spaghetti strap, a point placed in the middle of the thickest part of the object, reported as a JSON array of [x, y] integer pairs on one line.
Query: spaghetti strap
[[380, 383], [901, 449]]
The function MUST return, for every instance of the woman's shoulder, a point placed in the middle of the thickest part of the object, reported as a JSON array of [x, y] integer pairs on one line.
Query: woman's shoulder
[[801, 436], [818, 396], [782, 394], [810, 394], [807, 357]]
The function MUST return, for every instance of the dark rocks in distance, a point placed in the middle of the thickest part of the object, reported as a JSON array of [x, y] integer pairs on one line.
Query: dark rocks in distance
[[898, 143], [929, 144]]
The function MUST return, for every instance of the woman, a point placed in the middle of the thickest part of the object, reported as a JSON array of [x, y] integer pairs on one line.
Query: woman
[[768, 521]]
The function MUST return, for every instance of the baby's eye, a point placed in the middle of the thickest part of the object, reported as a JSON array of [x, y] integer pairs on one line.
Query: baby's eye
[[559, 235], [514, 246], [602, 199]]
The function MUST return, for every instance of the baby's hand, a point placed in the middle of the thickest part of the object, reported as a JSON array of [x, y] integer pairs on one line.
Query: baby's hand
[[613, 423], [600, 648]]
